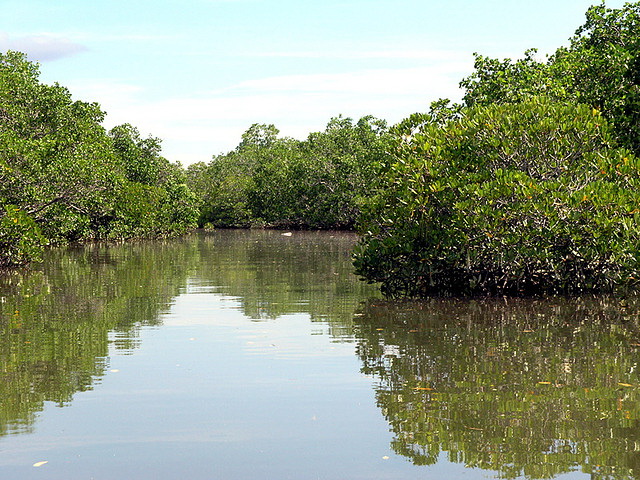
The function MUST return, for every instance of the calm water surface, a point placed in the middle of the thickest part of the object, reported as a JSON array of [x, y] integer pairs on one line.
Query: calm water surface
[[254, 355]]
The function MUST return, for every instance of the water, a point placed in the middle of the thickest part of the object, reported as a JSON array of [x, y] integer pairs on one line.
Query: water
[[251, 354]]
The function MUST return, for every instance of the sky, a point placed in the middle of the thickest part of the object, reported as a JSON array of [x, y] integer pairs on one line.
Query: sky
[[198, 73]]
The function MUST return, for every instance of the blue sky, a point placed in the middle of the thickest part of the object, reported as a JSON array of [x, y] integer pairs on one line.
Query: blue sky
[[198, 73]]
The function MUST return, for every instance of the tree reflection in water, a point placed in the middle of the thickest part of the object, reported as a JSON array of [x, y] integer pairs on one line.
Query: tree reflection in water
[[57, 323], [523, 387]]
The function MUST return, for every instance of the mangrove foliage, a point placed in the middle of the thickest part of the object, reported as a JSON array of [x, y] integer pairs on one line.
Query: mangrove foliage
[[317, 183], [64, 178], [529, 186]]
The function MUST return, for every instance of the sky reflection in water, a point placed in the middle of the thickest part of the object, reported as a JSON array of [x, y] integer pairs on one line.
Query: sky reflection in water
[[249, 354]]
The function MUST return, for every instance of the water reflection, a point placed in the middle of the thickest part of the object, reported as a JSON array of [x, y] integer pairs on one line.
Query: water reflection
[[58, 323], [273, 274], [55, 322], [522, 387]]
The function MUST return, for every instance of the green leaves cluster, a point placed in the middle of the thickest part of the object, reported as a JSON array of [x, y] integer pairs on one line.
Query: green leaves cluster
[[281, 182], [64, 178], [20, 238], [600, 68], [529, 186], [517, 198]]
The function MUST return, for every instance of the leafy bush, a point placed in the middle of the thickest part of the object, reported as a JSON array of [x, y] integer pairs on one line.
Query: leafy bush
[[222, 187], [72, 180], [55, 158], [281, 182], [517, 198], [20, 239], [600, 68]]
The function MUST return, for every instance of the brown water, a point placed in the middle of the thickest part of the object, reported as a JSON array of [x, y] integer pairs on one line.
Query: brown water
[[254, 355]]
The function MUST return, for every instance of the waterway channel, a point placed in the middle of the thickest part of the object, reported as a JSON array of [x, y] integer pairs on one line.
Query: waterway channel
[[256, 354]]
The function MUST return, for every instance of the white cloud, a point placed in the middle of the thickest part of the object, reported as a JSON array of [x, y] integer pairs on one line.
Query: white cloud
[[387, 82], [42, 47], [93, 37], [196, 127], [112, 91], [363, 55]]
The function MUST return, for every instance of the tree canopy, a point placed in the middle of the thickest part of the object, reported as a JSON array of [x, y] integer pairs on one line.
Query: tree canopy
[[526, 186], [529, 186], [320, 182], [64, 178]]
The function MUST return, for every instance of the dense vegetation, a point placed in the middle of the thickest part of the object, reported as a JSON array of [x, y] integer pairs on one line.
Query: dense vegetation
[[64, 178], [320, 182], [515, 197], [529, 186]]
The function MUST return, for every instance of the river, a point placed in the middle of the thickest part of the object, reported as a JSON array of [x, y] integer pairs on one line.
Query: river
[[258, 355]]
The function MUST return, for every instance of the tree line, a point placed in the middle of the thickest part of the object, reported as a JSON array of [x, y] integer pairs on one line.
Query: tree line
[[320, 182], [528, 185], [65, 178]]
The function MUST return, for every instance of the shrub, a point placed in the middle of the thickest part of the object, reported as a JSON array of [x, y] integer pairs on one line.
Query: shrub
[[281, 182], [20, 239], [506, 199]]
